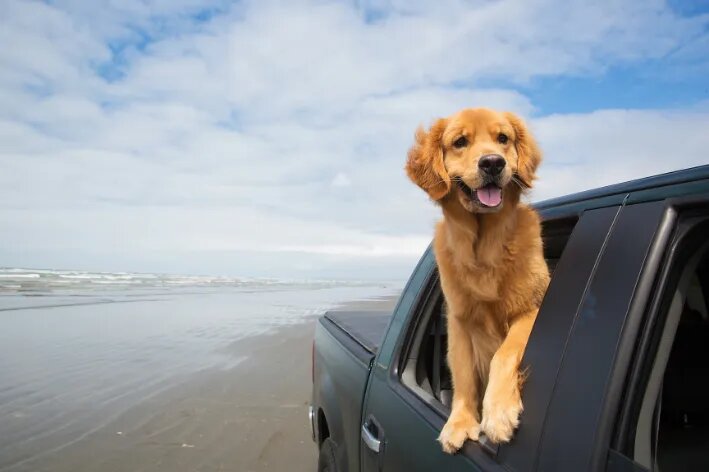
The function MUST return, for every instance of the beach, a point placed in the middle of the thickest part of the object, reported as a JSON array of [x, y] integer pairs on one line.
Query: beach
[[197, 379]]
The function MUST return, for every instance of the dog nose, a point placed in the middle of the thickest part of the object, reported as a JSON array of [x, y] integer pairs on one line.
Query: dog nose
[[492, 164]]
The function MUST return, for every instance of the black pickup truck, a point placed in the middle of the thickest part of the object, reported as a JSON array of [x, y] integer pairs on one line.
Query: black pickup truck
[[618, 358]]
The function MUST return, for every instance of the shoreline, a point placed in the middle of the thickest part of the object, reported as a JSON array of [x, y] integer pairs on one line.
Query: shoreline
[[249, 416]]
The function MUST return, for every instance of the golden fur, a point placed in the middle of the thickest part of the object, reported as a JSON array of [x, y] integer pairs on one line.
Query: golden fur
[[491, 264]]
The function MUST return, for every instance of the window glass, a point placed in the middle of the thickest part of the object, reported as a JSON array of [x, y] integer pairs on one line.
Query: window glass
[[683, 428], [672, 431]]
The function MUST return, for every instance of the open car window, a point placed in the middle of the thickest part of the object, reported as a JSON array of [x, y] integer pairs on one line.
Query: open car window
[[425, 370]]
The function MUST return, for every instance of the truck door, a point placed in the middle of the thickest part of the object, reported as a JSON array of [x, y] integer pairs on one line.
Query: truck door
[[408, 394]]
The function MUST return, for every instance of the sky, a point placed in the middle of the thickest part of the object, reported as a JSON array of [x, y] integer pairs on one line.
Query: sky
[[268, 139]]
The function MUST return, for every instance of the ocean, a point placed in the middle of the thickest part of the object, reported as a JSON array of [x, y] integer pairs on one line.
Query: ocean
[[79, 348]]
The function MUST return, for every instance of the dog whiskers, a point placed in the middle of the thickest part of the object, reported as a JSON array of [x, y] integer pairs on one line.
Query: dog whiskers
[[520, 182], [516, 178]]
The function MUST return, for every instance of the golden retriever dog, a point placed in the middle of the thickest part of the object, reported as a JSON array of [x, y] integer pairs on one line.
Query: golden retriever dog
[[476, 164]]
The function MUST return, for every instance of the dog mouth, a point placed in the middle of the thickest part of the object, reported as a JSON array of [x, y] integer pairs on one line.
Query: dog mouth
[[487, 196]]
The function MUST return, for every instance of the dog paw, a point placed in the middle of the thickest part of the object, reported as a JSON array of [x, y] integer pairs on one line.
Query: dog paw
[[457, 429], [501, 418]]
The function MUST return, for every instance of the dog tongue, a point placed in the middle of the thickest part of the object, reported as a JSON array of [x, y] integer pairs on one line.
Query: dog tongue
[[490, 195]]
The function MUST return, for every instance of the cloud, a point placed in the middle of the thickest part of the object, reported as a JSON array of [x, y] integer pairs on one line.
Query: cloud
[[341, 180], [274, 134], [609, 146]]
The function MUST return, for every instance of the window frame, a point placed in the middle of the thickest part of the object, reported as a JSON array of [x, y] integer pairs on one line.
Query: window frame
[[417, 333], [686, 218]]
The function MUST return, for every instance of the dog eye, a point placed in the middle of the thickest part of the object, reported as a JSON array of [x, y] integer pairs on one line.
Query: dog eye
[[502, 138], [460, 142]]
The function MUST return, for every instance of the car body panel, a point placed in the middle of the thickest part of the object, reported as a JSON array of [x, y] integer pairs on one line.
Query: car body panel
[[341, 374], [572, 420], [548, 341]]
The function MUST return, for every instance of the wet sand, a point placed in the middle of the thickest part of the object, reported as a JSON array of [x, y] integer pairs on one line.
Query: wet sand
[[251, 416]]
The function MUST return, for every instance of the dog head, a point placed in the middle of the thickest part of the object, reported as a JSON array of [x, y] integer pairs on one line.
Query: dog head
[[475, 157]]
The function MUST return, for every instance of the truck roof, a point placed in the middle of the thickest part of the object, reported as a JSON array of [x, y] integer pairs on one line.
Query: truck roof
[[672, 184]]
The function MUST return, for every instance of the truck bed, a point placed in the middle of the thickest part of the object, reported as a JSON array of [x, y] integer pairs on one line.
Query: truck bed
[[344, 348], [367, 328]]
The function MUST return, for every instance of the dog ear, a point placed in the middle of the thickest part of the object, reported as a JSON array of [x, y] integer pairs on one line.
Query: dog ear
[[528, 152], [424, 165]]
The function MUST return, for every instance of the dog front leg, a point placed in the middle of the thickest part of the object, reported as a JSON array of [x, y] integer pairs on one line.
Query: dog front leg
[[463, 422], [502, 403]]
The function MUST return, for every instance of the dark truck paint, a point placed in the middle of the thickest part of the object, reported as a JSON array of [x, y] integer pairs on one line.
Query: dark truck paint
[[380, 385]]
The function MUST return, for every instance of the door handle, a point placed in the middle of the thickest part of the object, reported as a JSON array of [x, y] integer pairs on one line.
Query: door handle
[[370, 439]]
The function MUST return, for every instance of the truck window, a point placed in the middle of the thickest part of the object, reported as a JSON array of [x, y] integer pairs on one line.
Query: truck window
[[672, 431], [425, 370]]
